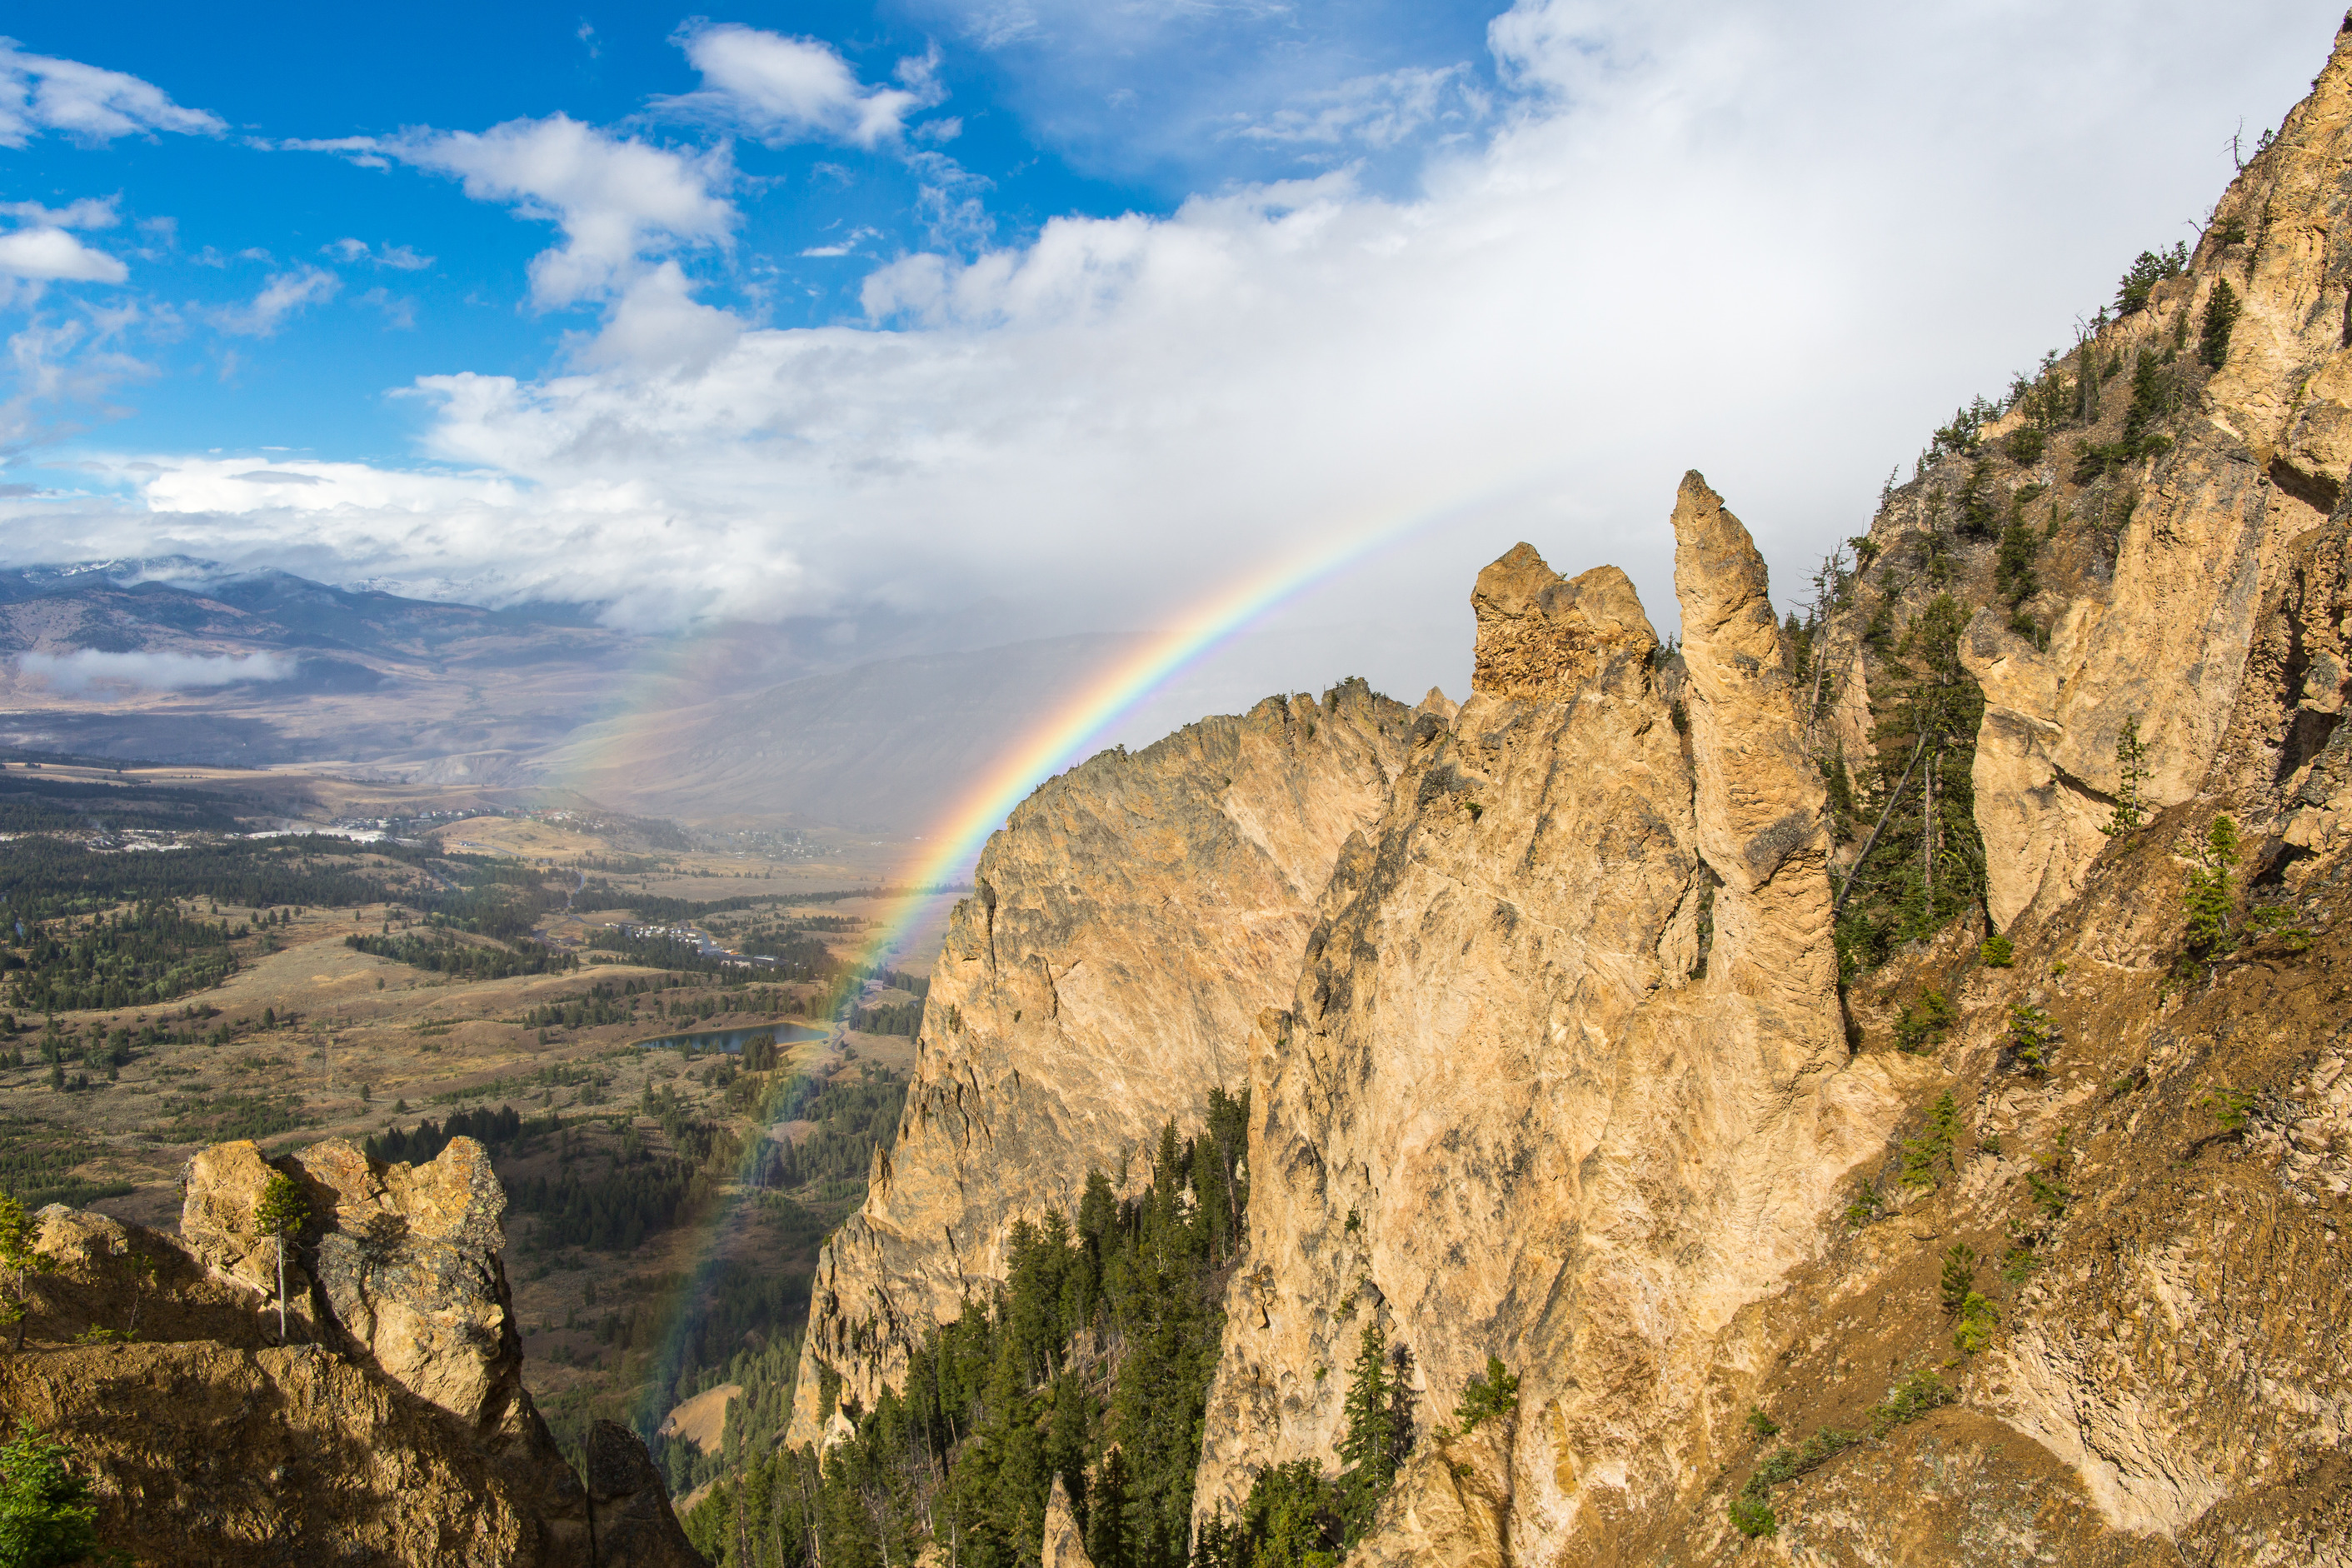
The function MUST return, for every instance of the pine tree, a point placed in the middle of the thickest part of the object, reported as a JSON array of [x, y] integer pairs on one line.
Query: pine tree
[[1367, 1449], [46, 1514], [2221, 315], [22, 1258], [2207, 895], [1107, 1545], [280, 1213], [2131, 773]]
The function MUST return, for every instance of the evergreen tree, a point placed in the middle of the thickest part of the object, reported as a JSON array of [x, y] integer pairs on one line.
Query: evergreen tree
[[23, 1259], [2221, 315], [279, 1213], [1106, 1545], [2131, 773], [1368, 1450], [2207, 895], [47, 1516]]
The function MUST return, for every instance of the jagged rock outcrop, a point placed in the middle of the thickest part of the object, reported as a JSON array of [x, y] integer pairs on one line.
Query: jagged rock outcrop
[[1565, 1076], [1133, 917], [2209, 531], [1064, 1546], [394, 1426]]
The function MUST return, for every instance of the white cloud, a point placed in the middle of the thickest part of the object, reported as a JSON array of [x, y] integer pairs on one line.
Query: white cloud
[[85, 668], [844, 247], [399, 312], [1692, 235], [1372, 111], [39, 93], [90, 212], [283, 295], [53, 256], [786, 89], [400, 257], [617, 200]]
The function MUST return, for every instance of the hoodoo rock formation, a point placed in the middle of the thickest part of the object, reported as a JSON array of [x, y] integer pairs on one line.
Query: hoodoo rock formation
[[1132, 918], [392, 1428], [1869, 1133], [1565, 1078]]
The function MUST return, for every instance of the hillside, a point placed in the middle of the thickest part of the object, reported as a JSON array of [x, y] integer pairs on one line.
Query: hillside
[[1860, 1086]]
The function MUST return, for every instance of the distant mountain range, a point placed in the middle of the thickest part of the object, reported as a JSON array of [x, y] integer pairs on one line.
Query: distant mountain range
[[182, 660]]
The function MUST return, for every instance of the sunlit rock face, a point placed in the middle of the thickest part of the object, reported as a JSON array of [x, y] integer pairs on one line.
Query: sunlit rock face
[[1564, 1077], [1131, 921]]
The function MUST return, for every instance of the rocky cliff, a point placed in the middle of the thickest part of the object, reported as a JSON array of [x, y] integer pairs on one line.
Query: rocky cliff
[[1852, 1084], [1132, 918], [1564, 1078], [392, 1428]]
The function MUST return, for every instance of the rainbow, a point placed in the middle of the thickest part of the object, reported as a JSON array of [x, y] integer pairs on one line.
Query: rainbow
[[952, 849]]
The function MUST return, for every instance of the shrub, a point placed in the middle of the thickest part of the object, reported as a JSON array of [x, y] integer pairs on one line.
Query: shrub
[[1763, 1426], [1926, 1157], [1978, 1316], [1925, 1020], [1863, 1210], [1997, 951], [1960, 1277], [2230, 1107], [1753, 1517], [1495, 1396], [2026, 446], [1909, 1400]]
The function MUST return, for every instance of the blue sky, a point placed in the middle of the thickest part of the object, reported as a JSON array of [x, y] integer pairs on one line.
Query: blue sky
[[1076, 310], [1027, 115]]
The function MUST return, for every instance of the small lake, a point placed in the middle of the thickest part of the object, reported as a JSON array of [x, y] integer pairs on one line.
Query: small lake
[[730, 1040]]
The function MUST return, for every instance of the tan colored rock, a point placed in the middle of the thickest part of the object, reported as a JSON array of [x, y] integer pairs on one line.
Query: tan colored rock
[[1538, 634], [1132, 918], [223, 1184], [1064, 1547], [2215, 525], [1451, 1507], [201, 1453], [408, 1261], [1516, 1107]]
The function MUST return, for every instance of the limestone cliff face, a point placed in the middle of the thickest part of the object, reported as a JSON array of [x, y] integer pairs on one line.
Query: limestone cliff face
[[2259, 460], [1564, 1078], [1133, 917], [392, 1428]]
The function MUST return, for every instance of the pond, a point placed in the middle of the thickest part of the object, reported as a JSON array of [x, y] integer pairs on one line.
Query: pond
[[730, 1040]]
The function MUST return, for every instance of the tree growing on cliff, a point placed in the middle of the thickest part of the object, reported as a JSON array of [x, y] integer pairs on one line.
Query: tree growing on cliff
[[280, 1213], [46, 1514], [2131, 773], [1487, 1398], [2206, 897], [23, 1259], [2221, 315]]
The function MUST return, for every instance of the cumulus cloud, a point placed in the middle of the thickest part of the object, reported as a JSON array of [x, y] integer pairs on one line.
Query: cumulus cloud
[[39, 93], [284, 294], [785, 89], [85, 668], [51, 254], [1692, 235], [618, 200]]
